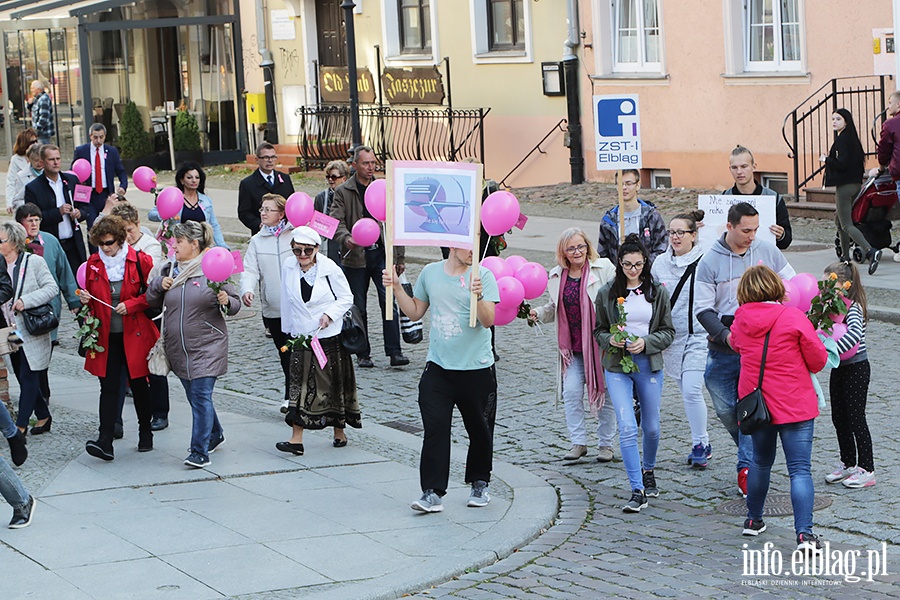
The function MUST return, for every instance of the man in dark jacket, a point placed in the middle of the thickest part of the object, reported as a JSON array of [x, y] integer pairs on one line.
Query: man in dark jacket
[[641, 218], [364, 264], [889, 144], [742, 169], [264, 180], [106, 167]]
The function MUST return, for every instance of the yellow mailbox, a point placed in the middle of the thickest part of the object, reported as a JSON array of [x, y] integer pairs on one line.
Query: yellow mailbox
[[256, 109]]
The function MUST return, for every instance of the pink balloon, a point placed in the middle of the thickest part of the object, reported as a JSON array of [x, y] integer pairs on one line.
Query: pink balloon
[[791, 295], [512, 292], [81, 276], [169, 202], [144, 178], [515, 262], [376, 199], [299, 208], [82, 169], [365, 232], [217, 264], [807, 288], [504, 316], [497, 266], [851, 352], [499, 213], [533, 278]]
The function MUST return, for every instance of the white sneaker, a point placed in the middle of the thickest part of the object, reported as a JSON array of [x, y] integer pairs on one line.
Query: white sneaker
[[896, 256], [859, 479], [284, 406], [840, 473]]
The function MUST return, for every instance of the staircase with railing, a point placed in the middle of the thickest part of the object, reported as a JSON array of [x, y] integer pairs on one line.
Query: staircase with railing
[[808, 133]]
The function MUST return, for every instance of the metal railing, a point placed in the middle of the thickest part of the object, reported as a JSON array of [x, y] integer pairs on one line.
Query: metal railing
[[537, 148], [807, 129], [438, 134]]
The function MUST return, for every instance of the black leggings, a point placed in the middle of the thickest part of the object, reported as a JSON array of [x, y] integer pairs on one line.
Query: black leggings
[[849, 387]]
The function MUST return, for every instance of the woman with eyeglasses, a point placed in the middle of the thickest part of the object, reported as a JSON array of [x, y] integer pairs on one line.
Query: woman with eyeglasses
[[573, 288], [191, 180], [685, 359], [648, 326], [314, 297], [336, 173], [267, 251], [114, 278]]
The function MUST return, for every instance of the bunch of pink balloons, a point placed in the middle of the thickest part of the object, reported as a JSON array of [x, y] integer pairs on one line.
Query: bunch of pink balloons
[[144, 178], [299, 208], [169, 202], [799, 291], [499, 213], [82, 169], [517, 280]]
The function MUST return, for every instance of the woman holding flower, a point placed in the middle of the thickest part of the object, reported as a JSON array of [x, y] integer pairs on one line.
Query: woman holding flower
[[314, 297], [634, 326]]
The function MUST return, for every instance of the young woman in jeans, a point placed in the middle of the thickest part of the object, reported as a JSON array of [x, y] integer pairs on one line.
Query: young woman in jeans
[[793, 352], [649, 323]]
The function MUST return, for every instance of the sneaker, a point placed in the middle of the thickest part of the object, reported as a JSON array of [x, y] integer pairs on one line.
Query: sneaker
[[478, 497], [874, 258], [708, 451], [605, 454], [840, 473], [22, 516], [809, 542], [637, 502], [650, 488], [198, 461], [576, 452], [859, 479], [697, 457], [284, 406], [742, 481], [428, 503], [215, 443], [896, 256], [752, 527]]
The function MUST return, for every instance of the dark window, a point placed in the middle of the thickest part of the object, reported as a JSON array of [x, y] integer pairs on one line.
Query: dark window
[[415, 26], [506, 21]]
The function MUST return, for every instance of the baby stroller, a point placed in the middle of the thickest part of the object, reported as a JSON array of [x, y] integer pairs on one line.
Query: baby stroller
[[870, 215]]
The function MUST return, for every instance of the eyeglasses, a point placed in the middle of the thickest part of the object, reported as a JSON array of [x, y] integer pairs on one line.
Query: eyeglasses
[[579, 249], [629, 266], [267, 157], [265, 209], [629, 183], [333, 177], [3, 241], [106, 242], [303, 251], [679, 233]]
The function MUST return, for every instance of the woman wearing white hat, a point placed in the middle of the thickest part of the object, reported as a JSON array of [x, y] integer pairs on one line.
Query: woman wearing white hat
[[314, 297]]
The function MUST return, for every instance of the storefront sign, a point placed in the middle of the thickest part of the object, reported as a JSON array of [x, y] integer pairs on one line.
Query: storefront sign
[[422, 85], [334, 85]]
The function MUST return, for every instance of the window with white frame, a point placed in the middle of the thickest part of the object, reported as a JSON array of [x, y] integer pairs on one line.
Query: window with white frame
[[636, 35], [410, 35], [415, 26], [501, 31], [506, 25], [772, 31]]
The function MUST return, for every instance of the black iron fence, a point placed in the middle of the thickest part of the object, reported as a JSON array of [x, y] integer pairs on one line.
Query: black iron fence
[[807, 129], [439, 134]]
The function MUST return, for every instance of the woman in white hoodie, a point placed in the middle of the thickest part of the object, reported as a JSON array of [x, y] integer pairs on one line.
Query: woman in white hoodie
[[315, 296], [266, 253], [685, 359]]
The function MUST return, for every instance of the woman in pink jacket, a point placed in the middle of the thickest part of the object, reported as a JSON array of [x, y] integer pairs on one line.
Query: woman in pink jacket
[[794, 350]]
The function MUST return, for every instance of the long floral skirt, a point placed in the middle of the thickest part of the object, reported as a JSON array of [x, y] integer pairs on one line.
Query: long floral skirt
[[321, 398]]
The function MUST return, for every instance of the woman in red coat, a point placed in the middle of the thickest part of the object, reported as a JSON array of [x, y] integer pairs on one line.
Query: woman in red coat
[[125, 334]]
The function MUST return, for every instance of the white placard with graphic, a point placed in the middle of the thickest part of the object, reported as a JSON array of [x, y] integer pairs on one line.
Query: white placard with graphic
[[618, 131], [716, 209]]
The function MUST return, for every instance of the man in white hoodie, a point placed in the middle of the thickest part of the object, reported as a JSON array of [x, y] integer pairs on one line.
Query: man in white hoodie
[[718, 274]]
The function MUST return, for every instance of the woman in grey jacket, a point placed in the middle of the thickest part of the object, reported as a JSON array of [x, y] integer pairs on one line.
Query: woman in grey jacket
[[196, 339], [33, 285]]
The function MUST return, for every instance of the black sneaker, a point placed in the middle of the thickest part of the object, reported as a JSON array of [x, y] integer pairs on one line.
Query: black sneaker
[[874, 259], [752, 527], [637, 502], [809, 542], [22, 516], [100, 449], [17, 449], [650, 488], [214, 443]]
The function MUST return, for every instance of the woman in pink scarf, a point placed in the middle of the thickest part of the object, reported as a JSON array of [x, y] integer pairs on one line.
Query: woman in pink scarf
[[573, 287]]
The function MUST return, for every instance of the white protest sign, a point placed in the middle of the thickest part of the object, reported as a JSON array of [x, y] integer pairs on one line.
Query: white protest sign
[[617, 129], [716, 209]]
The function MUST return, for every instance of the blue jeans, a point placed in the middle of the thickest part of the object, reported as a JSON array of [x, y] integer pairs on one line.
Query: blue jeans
[[796, 442], [573, 401], [7, 427], [31, 399], [722, 374], [205, 420], [620, 387], [358, 279], [11, 487]]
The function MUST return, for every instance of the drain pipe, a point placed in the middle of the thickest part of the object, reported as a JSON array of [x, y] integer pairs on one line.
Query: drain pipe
[[267, 63], [573, 98]]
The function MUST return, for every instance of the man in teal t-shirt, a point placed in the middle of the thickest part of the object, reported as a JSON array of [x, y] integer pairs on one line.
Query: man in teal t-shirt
[[459, 372]]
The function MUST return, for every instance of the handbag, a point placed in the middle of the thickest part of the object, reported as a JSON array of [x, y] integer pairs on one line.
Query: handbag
[[751, 410], [9, 340], [353, 332], [38, 320], [411, 330], [157, 361]]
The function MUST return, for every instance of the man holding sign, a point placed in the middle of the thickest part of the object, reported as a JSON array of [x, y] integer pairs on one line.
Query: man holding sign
[[743, 166]]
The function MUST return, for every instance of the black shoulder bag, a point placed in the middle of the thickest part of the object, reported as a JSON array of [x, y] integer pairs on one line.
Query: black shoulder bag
[[751, 410], [688, 274], [353, 332], [38, 320]]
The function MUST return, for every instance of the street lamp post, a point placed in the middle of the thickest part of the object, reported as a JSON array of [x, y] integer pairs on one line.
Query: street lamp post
[[348, 6]]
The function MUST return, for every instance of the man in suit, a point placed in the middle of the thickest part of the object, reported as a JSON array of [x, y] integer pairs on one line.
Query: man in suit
[[265, 180], [106, 166], [53, 193]]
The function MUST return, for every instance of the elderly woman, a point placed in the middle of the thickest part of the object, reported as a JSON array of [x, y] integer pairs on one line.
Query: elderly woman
[[195, 335], [336, 173], [573, 287], [33, 286], [115, 278], [314, 297], [191, 180], [266, 253]]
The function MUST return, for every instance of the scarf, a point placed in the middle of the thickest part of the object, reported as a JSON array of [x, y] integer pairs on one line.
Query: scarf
[[593, 364], [115, 265], [277, 229], [185, 270]]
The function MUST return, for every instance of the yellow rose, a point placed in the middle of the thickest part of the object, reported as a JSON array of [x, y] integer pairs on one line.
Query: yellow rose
[[284, 348], [620, 300], [847, 285], [833, 277]]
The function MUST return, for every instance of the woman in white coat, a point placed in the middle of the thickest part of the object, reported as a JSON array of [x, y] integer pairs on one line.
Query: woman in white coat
[[685, 359], [573, 288], [315, 296]]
